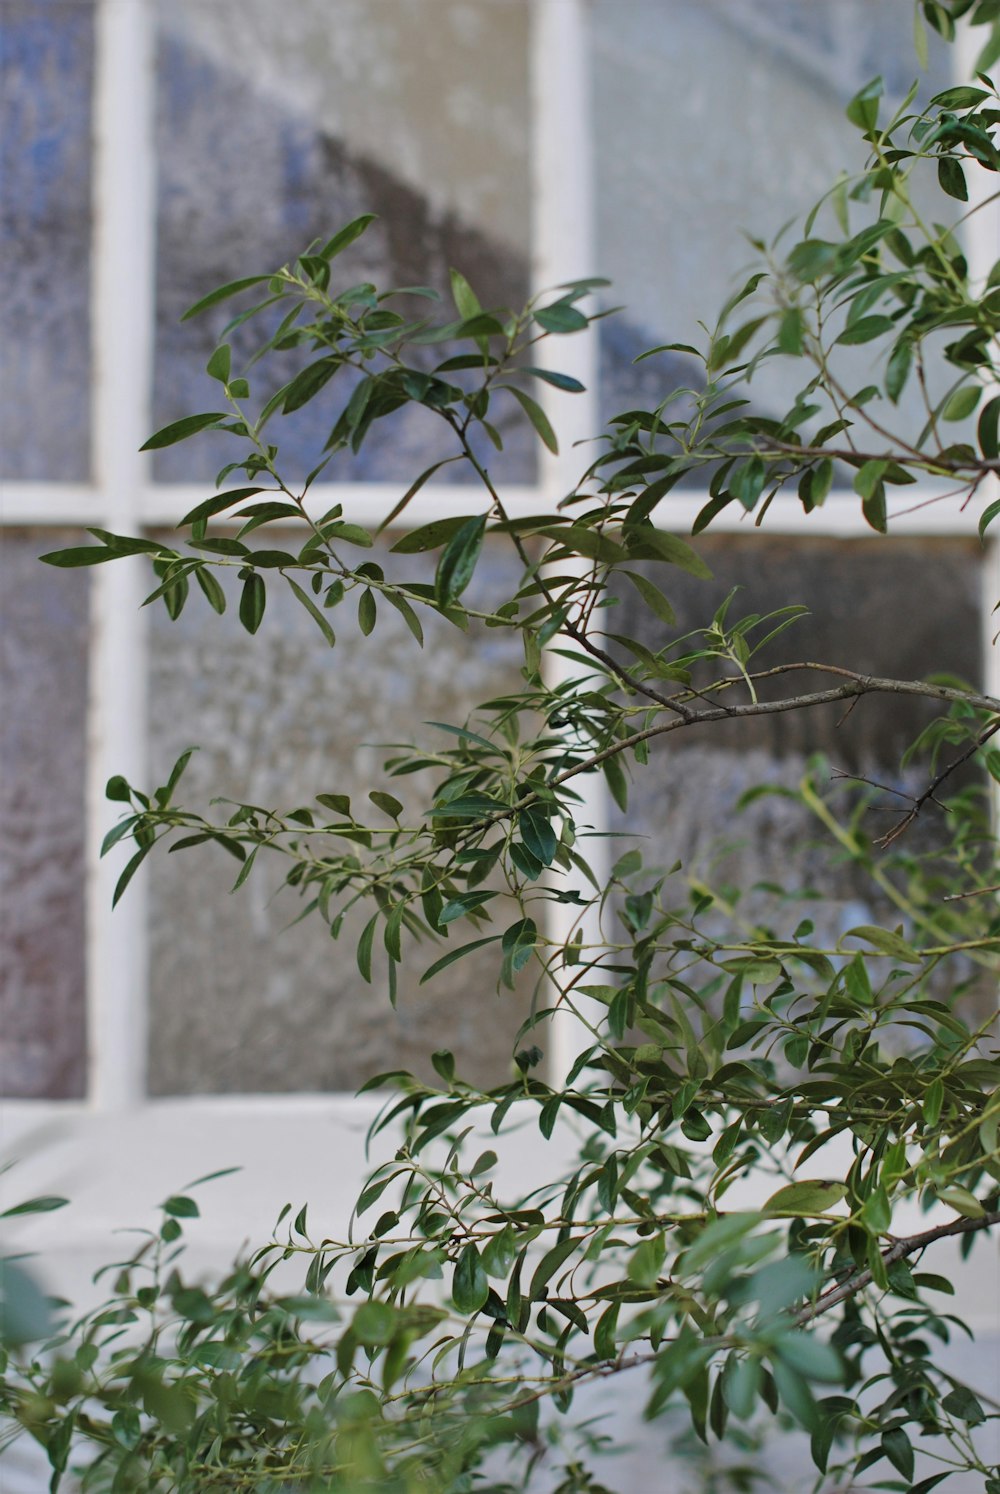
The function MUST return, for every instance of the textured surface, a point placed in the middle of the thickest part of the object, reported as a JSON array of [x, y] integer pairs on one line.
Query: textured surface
[[715, 119], [43, 687], [291, 160], [238, 1003], [46, 67], [901, 608]]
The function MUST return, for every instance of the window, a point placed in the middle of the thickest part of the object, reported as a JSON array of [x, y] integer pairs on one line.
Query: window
[[158, 149]]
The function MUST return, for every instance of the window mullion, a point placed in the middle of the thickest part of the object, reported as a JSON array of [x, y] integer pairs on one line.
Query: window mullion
[[123, 302], [563, 249]]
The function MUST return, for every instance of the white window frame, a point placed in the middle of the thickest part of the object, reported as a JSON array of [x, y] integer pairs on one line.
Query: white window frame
[[124, 497]]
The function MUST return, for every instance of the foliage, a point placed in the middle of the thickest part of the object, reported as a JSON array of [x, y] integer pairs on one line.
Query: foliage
[[824, 1086]]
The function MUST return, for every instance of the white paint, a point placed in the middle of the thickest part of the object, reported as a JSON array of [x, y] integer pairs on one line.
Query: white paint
[[563, 244], [123, 340]]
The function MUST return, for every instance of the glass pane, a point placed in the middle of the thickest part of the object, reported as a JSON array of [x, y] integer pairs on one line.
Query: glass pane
[[903, 608], [46, 74], [714, 119], [43, 689], [241, 1002], [279, 124]]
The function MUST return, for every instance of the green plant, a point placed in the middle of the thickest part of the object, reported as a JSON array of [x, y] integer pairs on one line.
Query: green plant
[[420, 1350]]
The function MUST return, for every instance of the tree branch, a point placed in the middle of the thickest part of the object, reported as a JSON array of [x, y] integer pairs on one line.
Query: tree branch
[[897, 1251]]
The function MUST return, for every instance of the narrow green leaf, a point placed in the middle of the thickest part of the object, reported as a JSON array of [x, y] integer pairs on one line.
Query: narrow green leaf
[[223, 293], [44, 1205], [536, 415], [457, 565], [557, 380], [253, 599], [346, 236], [646, 543], [804, 1200], [210, 586], [179, 430], [367, 611], [652, 596], [365, 945], [318, 617]]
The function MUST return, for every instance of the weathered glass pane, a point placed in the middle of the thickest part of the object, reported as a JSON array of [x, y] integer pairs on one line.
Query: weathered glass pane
[[241, 1002], [43, 689], [715, 119], [278, 125], [46, 74], [901, 608]]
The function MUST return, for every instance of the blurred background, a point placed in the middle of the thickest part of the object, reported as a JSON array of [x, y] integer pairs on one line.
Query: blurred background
[[151, 151]]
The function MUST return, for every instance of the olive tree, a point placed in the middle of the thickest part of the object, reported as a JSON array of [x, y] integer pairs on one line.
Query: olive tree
[[827, 1085]]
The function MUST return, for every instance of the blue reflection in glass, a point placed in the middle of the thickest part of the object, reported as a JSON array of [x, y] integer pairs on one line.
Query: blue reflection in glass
[[46, 74]]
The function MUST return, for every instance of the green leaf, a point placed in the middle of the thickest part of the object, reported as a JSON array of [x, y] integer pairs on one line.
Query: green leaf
[[179, 430], [646, 1261], [374, 1323], [465, 298], [457, 565], [80, 555], [560, 317], [211, 588], [652, 596], [367, 611], [960, 404], [862, 111], [951, 178], [178, 1206], [321, 621], [455, 954], [469, 1285], [253, 599], [885, 942], [899, 1450], [866, 329], [406, 612], [810, 1357], [43, 1205], [130, 870], [962, 1201], [387, 803], [549, 1265], [989, 421], [646, 543], [219, 364], [538, 834], [536, 415], [804, 1200], [557, 380], [614, 776], [217, 505], [346, 236], [223, 293], [365, 945], [897, 370]]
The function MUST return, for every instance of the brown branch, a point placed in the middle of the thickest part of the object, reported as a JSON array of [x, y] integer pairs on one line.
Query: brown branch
[[851, 458], [897, 1251], [855, 685], [928, 794]]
